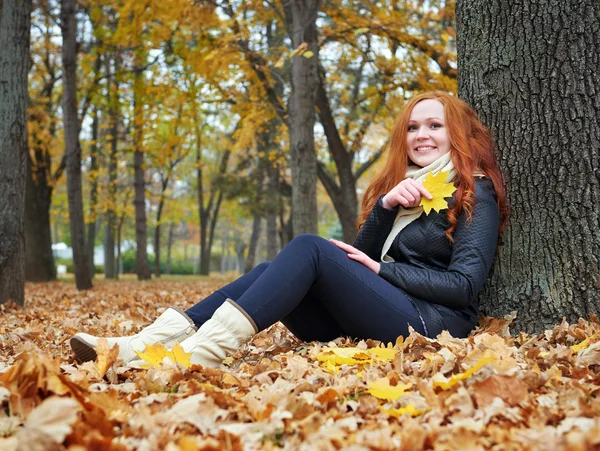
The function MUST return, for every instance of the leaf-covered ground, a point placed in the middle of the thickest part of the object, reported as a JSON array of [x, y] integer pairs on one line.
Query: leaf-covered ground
[[489, 391]]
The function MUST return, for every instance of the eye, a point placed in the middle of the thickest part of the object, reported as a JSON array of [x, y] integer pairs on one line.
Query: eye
[[436, 125], [412, 128]]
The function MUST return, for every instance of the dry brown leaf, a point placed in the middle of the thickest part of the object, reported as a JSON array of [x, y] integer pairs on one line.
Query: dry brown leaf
[[510, 389]]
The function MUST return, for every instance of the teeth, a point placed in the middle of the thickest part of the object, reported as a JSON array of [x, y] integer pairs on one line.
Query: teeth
[[425, 148]]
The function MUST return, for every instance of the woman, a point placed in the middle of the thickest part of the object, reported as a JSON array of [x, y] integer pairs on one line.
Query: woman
[[404, 269]]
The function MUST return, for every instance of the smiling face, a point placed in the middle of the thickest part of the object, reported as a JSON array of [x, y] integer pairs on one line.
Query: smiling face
[[427, 138]]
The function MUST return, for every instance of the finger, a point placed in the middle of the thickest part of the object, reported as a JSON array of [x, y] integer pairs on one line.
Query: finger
[[415, 193], [403, 201], [423, 190], [407, 195], [343, 246]]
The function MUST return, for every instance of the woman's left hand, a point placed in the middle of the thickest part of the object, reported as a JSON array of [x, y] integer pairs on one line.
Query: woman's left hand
[[357, 255]]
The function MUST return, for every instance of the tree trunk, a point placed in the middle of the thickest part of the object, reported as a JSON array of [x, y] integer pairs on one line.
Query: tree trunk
[[111, 217], [271, 211], [15, 17], [91, 232], [142, 268], [39, 261], [169, 247], [161, 205], [531, 72], [252, 246], [301, 16], [83, 279]]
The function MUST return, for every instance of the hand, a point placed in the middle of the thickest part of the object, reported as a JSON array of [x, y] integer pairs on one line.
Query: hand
[[407, 193], [357, 255]]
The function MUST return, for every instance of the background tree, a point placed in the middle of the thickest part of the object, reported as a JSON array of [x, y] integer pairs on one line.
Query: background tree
[[15, 16], [531, 72], [83, 278]]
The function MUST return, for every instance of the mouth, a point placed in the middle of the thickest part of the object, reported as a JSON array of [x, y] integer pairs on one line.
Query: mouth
[[425, 148]]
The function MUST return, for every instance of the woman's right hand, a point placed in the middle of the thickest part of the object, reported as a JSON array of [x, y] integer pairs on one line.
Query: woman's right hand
[[407, 193]]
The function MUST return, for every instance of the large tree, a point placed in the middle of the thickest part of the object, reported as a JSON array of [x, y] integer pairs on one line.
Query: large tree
[[531, 72], [83, 277], [15, 17], [301, 16]]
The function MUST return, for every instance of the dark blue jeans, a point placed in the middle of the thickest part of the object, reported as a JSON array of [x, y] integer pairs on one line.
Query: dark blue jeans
[[319, 293]]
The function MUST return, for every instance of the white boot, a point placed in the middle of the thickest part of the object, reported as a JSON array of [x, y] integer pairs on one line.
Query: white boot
[[223, 334], [173, 326]]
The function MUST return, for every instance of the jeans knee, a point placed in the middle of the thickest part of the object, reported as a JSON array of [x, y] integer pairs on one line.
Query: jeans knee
[[261, 267], [307, 239]]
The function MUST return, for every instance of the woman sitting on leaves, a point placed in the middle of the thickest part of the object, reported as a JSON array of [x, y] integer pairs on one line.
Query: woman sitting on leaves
[[406, 268]]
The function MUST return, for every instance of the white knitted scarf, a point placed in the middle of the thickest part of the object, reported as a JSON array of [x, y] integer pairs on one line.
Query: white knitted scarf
[[407, 215]]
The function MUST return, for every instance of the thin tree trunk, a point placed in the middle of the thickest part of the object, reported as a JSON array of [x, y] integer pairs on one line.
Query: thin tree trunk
[[161, 205], [531, 72], [91, 232], [301, 16], [111, 226], [169, 247], [142, 268], [252, 246], [271, 211], [15, 16], [258, 213], [83, 279]]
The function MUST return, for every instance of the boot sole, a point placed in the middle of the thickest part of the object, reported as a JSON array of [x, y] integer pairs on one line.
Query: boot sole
[[83, 351]]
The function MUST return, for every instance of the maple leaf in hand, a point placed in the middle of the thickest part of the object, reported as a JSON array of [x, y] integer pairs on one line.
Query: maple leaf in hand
[[439, 189]]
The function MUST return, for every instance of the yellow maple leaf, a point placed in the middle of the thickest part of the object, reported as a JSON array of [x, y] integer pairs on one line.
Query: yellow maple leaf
[[382, 389], [439, 189], [178, 355], [453, 380], [332, 357], [585, 343], [409, 409], [155, 354]]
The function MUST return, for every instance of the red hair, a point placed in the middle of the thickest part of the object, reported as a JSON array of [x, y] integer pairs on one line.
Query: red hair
[[471, 151]]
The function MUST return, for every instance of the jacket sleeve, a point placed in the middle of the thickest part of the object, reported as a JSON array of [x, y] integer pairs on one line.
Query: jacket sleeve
[[472, 257], [375, 230]]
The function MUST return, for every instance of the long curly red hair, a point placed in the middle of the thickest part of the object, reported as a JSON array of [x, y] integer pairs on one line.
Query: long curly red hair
[[471, 151]]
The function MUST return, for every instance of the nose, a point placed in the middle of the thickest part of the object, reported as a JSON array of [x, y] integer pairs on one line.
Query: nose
[[422, 133]]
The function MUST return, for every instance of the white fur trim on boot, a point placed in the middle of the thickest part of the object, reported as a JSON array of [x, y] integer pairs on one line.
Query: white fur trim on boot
[[173, 326], [223, 334]]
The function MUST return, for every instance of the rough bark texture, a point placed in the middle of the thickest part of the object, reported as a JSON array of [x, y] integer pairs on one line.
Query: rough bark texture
[[301, 15], [142, 268], [15, 16], [531, 71], [83, 279]]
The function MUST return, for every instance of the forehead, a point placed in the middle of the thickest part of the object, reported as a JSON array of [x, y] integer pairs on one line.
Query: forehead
[[427, 108]]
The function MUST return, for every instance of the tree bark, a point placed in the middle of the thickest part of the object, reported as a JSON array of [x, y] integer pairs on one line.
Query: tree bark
[[15, 17], [301, 16], [83, 279], [142, 268], [531, 72]]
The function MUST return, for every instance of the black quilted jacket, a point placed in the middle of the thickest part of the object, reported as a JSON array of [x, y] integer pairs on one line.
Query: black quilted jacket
[[442, 279]]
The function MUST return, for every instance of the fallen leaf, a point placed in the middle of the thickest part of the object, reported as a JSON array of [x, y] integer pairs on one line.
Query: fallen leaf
[[508, 388]]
